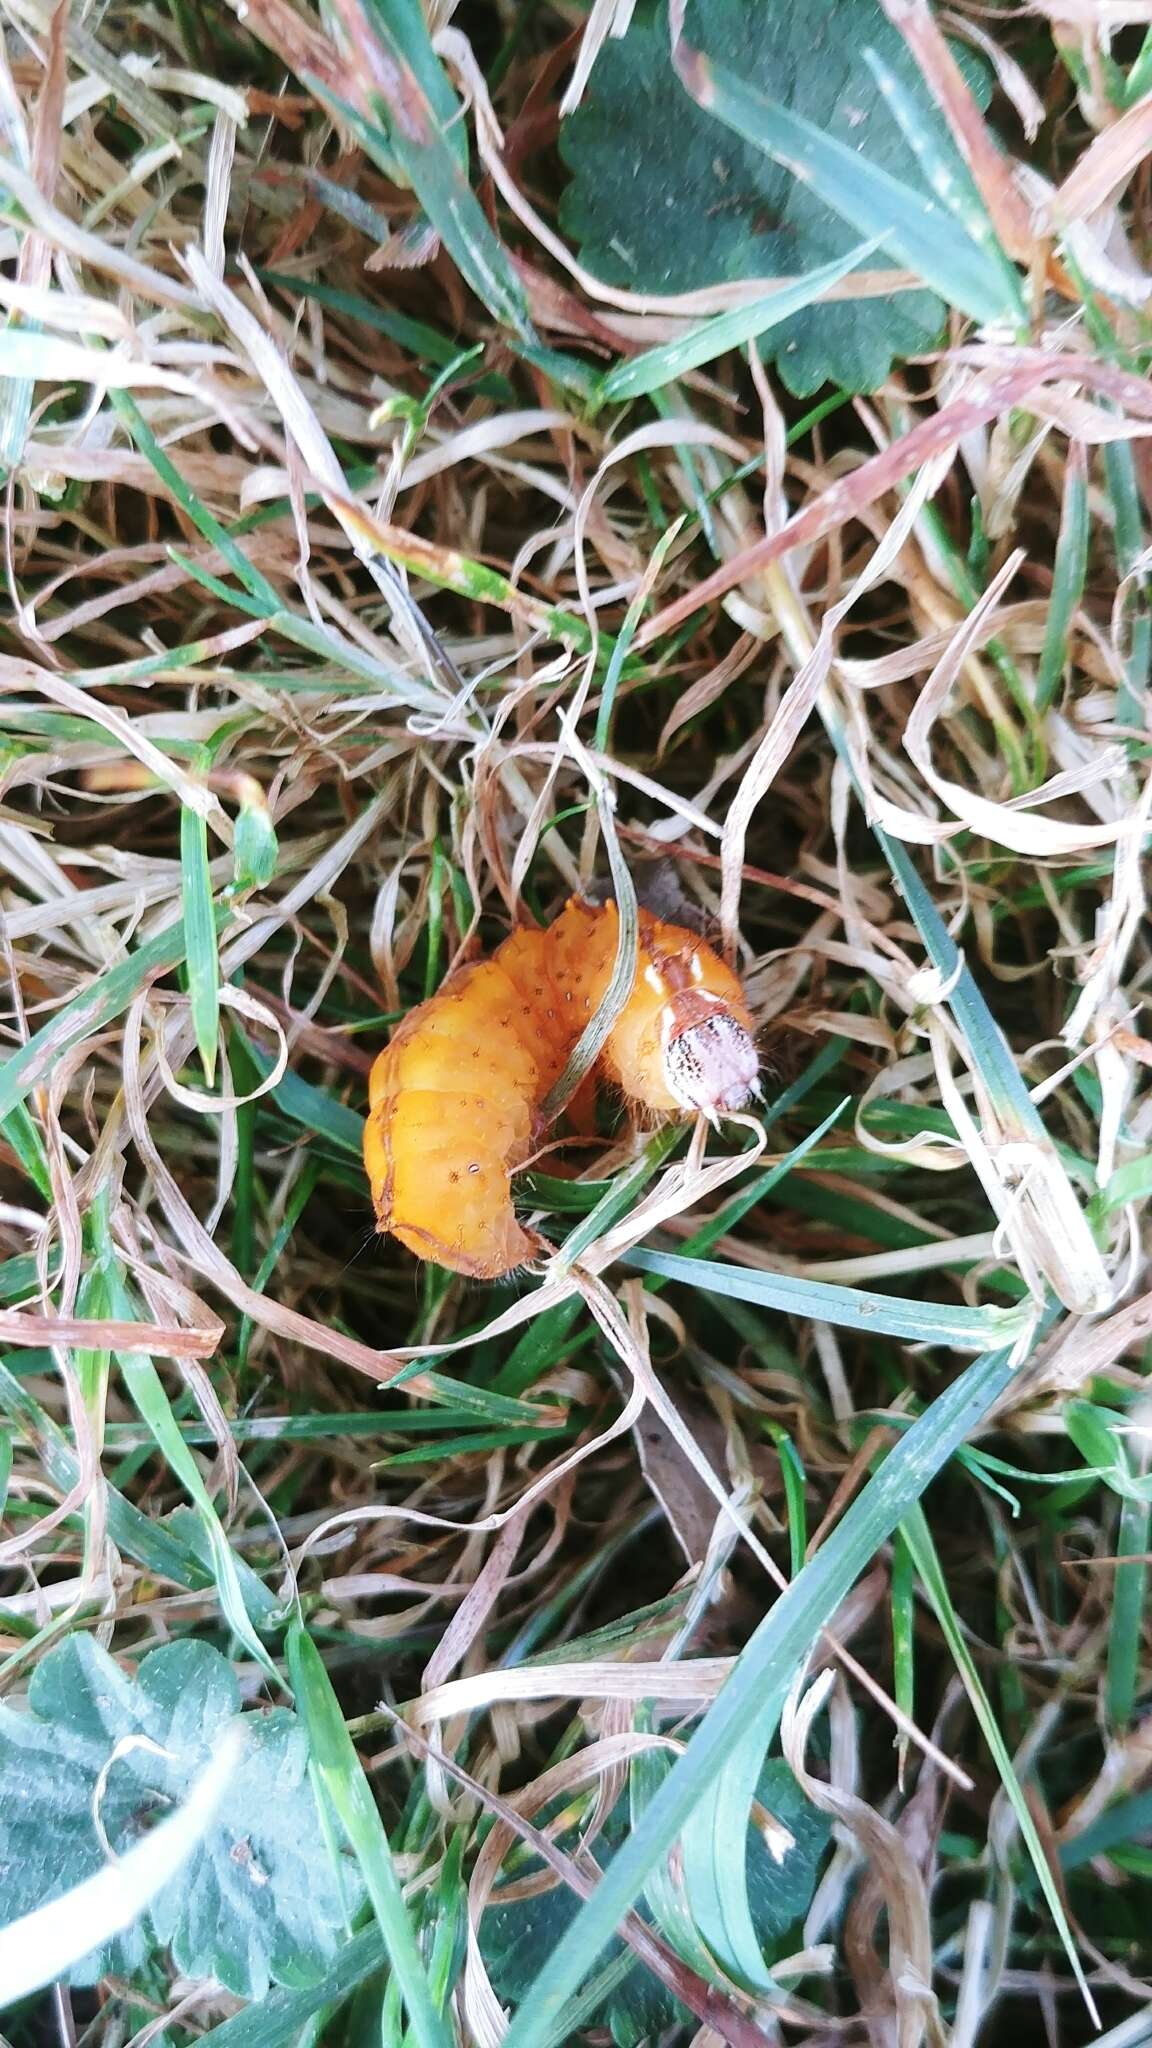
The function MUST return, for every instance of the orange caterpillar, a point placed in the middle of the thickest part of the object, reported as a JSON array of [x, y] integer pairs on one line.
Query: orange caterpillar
[[455, 1097]]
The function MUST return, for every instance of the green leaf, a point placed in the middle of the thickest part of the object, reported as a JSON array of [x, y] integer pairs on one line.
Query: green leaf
[[257, 1903], [669, 203], [915, 226]]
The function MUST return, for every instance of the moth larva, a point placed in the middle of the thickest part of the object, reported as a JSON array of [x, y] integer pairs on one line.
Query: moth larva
[[455, 1097]]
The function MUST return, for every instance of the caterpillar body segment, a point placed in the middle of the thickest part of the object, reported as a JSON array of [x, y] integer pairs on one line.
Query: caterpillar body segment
[[452, 1100], [455, 1097]]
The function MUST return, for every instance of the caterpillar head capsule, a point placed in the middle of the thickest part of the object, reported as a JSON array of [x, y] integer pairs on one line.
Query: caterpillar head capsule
[[712, 1066]]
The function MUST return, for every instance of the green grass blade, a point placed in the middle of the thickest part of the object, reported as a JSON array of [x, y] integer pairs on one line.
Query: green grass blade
[[732, 1212], [916, 1534], [795, 1482], [301, 1194], [1127, 517], [848, 1308], [618, 1198], [313, 1108], [22, 1134], [602, 735], [205, 522], [1068, 573], [328, 644], [947, 174], [478, 1440], [203, 960], [1124, 1677], [991, 1052], [1128, 529], [151, 1402], [255, 848], [658, 366], [107, 997], [425, 343], [341, 1775], [1125, 1822], [401, 71], [756, 1691], [903, 1605], [154, 1408], [1061, 1245], [153, 1546]]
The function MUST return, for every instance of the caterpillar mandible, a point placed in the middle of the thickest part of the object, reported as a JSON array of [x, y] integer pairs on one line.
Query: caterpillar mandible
[[454, 1099]]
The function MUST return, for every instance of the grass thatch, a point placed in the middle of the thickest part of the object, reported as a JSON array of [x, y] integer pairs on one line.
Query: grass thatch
[[372, 584]]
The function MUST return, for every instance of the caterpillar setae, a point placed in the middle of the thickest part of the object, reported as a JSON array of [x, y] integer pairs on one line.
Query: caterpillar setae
[[455, 1096]]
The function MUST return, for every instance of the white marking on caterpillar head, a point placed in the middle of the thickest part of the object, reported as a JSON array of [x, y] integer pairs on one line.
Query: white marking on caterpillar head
[[696, 969], [654, 978], [712, 1066]]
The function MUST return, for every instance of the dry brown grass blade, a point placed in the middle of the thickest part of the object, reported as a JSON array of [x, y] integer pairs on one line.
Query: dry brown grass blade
[[1106, 165], [840, 502], [908, 1979], [296, 41], [99, 1334]]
